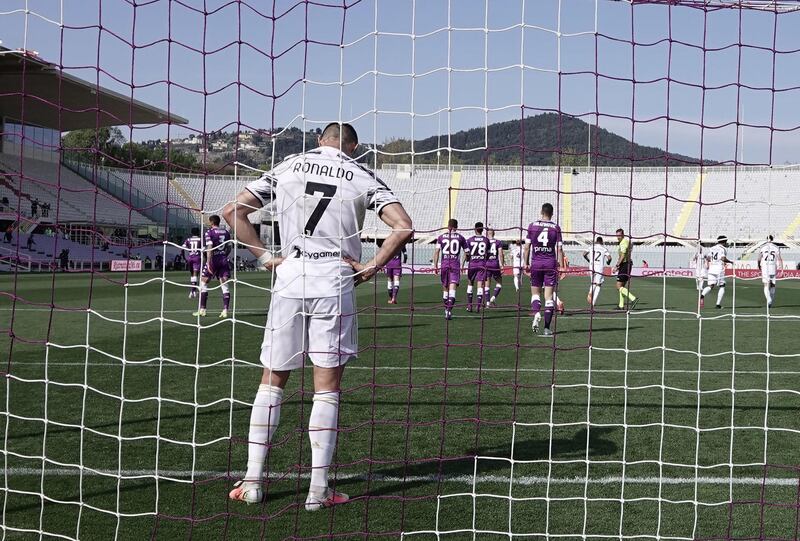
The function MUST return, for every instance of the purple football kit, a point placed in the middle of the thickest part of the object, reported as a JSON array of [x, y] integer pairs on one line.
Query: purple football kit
[[450, 245], [544, 237], [395, 265], [193, 246], [476, 247], [217, 265], [493, 270]]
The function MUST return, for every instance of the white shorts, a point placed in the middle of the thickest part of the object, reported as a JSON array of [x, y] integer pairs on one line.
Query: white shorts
[[715, 279], [768, 277], [321, 328], [517, 271], [598, 278]]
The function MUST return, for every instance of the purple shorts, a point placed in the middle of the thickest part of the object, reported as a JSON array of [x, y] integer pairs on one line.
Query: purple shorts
[[392, 272], [476, 273], [544, 277], [450, 275], [493, 273], [222, 271], [193, 264]]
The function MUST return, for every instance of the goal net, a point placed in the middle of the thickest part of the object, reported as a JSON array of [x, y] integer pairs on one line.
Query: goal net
[[667, 410]]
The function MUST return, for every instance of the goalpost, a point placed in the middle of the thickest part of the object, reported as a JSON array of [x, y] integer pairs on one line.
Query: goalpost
[[124, 417]]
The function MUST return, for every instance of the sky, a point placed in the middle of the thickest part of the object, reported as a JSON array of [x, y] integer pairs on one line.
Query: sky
[[416, 68]]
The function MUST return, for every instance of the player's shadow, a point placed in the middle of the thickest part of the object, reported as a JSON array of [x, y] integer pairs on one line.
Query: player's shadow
[[435, 471], [390, 326], [603, 329]]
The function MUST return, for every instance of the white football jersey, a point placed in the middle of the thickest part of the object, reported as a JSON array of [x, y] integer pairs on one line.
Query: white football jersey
[[699, 261], [321, 197], [716, 264], [598, 255], [769, 258]]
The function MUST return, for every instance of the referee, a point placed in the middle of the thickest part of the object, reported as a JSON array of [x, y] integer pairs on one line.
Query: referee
[[623, 270]]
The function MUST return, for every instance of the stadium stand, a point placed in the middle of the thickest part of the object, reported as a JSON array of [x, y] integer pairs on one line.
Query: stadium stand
[[70, 195]]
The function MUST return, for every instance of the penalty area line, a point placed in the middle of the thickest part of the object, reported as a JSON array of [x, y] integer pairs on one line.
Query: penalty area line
[[522, 480]]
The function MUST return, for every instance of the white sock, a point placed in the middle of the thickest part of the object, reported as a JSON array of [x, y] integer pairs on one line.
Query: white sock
[[452, 294], [720, 294], [469, 289], [516, 282], [322, 432], [193, 280], [595, 293], [263, 421], [444, 295], [705, 291], [767, 293], [772, 293]]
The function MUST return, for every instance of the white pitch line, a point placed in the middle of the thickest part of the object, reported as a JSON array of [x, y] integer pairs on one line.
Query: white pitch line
[[523, 480], [350, 367], [368, 314]]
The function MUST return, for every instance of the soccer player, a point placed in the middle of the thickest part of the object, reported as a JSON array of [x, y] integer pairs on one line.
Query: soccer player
[[700, 267], [544, 257], [312, 309], [193, 246], [477, 246], [598, 257], [495, 260], [218, 247], [770, 262], [394, 270], [717, 258], [516, 262], [450, 245], [623, 269]]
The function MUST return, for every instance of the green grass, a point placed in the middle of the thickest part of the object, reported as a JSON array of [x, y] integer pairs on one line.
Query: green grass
[[424, 398]]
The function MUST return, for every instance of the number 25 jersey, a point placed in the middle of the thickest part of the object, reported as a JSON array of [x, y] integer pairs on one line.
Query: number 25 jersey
[[321, 198]]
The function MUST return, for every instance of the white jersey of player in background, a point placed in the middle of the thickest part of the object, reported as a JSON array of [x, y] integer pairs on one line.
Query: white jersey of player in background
[[516, 258], [700, 267], [598, 255], [716, 264], [768, 258], [321, 197]]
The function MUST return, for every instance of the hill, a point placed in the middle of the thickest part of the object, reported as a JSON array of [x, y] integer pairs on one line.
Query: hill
[[542, 138]]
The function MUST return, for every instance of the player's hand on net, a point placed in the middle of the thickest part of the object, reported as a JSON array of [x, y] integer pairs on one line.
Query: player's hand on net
[[272, 263]]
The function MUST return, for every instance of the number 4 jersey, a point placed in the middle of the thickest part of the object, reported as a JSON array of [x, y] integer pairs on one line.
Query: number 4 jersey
[[321, 198], [544, 237]]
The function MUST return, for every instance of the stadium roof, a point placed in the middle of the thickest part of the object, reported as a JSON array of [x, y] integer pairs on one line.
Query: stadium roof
[[36, 92]]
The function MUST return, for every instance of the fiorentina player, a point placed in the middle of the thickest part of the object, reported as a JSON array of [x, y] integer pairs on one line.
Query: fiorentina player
[[450, 245], [394, 270], [321, 197], [495, 260], [770, 262], [218, 246], [623, 269], [544, 257], [477, 246], [598, 257], [516, 262], [717, 259], [700, 264], [193, 246]]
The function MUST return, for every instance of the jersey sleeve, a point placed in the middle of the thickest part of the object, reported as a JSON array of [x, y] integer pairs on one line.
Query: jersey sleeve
[[463, 242], [209, 240], [379, 195], [559, 241], [529, 236], [262, 188]]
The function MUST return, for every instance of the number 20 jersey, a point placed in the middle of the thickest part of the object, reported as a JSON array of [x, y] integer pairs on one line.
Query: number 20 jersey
[[320, 199]]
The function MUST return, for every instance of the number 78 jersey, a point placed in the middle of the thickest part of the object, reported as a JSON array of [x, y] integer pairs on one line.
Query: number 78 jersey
[[544, 237], [321, 198]]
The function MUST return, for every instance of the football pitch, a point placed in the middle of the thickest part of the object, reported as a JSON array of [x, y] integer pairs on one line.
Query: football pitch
[[653, 423]]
